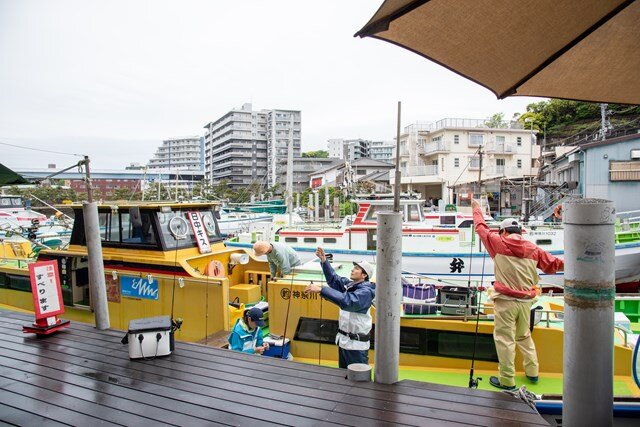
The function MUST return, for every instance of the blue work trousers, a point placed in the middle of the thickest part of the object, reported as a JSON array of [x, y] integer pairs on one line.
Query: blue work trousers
[[347, 357]]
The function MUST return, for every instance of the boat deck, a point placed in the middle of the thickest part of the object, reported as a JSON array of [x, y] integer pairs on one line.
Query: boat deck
[[82, 376]]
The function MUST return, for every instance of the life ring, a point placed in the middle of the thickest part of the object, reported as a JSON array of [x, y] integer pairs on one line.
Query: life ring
[[215, 269], [557, 212]]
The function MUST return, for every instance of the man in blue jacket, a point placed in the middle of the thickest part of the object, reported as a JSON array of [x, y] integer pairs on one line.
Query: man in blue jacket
[[246, 335], [354, 296]]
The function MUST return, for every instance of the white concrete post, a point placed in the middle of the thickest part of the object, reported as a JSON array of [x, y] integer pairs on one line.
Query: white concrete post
[[336, 208], [317, 207], [388, 297], [327, 209], [310, 207], [589, 292], [96, 266], [297, 200]]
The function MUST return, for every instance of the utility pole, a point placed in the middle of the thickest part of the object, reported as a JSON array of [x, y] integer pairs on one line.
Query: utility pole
[[289, 189], [396, 195], [604, 121], [98, 289]]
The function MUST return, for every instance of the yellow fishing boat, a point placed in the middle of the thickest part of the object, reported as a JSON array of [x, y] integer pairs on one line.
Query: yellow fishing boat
[[154, 266]]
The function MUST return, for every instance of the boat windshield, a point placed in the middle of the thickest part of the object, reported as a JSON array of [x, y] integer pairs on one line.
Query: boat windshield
[[10, 202], [176, 230]]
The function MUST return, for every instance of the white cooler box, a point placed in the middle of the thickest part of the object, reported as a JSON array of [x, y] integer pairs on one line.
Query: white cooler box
[[149, 337]]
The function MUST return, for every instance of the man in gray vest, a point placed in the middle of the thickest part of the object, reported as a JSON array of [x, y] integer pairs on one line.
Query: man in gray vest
[[354, 296]]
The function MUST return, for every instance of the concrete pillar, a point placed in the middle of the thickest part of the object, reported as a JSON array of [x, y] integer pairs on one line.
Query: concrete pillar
[[310, 207], [297, 200], [96, 265], [336, 208], [317, 206], [327, 209], [388, 297], [589, 292]]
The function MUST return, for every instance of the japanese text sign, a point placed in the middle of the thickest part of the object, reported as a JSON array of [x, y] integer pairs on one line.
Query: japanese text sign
[[45, 287], [199, 231]]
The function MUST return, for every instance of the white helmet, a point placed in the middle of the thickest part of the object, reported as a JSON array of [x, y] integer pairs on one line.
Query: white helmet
[[367, 268], [511, 225]]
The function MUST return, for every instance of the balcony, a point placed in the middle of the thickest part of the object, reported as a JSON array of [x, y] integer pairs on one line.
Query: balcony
[[494, 147], [501, 170], [434, 147], [429, 170]]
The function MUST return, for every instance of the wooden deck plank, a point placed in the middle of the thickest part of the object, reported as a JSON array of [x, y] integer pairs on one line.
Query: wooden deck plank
[[198, 384], [20, 417]]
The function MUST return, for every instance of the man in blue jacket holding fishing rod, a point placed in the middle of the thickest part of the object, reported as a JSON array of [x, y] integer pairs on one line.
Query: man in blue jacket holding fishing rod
[[354, 297]]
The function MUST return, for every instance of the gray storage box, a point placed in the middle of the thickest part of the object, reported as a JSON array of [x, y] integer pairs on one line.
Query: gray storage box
[[149, 337]]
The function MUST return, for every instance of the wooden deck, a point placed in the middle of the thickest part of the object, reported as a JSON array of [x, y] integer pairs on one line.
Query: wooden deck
[[82, 376]]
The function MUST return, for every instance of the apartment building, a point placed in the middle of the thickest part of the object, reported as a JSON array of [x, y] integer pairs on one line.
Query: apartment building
[[184, 153], [383, 151], [247, 146], [349, 149], [436, 156]]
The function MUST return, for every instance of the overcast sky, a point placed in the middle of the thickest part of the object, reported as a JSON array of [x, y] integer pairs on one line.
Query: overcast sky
[[112, 79]]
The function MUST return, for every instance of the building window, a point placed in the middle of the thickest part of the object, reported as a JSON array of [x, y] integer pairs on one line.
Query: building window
[[476, 139], [519, 163], [519, 141], [624, 171], [456, 139], [456, 162]]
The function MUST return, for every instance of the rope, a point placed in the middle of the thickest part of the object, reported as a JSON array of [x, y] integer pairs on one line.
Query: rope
[[525, 395]]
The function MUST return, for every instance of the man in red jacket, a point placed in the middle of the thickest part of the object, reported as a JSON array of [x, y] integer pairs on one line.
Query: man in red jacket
[[515, 266]]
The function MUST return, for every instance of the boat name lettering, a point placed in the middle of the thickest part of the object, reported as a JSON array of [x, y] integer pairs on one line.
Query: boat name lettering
[[456, 264], [286, 294]]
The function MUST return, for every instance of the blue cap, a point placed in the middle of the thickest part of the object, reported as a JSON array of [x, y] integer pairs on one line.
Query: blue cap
[[255, 314]]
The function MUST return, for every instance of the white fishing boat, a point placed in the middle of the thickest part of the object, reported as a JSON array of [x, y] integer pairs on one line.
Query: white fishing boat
[[16, 220], [442, 246], [236, 222]]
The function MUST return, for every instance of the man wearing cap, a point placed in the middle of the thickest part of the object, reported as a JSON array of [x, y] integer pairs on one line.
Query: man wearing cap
[[515, 265], [354, 296], [246, 335], [281, 257]]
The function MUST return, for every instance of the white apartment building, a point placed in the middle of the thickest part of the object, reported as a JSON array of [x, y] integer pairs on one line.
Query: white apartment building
[[381, 150], [349, 149], [246, 146], [184, 153], [434, 157]]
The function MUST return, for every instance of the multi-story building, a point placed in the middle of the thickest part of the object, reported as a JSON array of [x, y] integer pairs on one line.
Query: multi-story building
[[381, 150], [246, 146], [106, 182], [349, 149], [303, 166], [179, 153], [436, 157]]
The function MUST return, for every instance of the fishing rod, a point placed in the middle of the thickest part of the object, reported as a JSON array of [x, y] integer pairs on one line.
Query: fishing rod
[[473, 382]]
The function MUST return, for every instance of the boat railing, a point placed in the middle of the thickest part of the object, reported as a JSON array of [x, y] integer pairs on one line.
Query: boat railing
[[625, 333]]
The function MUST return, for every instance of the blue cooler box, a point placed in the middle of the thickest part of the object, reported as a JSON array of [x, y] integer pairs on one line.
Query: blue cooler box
[[275, 347]]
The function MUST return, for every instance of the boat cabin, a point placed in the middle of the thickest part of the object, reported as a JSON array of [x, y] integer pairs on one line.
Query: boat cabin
[[159, 227]]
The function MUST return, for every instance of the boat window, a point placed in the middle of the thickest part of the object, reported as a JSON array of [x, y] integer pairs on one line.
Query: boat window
[[291, 239], [109, 226], [466, 223], [176, 230], [310, 240], [330, 240], [412, 340], [136, 227], [448, 220], [542, 242], [413, 213], [372, 213]]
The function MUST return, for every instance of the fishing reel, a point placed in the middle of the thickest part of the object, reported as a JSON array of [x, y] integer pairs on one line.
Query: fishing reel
[[176, 324], [473, 382]]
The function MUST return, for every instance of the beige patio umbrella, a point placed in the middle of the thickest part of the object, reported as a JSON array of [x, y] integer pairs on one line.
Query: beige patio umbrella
[[573, 49]]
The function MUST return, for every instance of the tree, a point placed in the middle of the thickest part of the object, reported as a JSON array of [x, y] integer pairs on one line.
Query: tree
[[319, 154], [496, 121]]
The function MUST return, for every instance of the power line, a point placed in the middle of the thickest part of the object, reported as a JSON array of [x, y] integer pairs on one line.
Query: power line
[[41, 150]]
